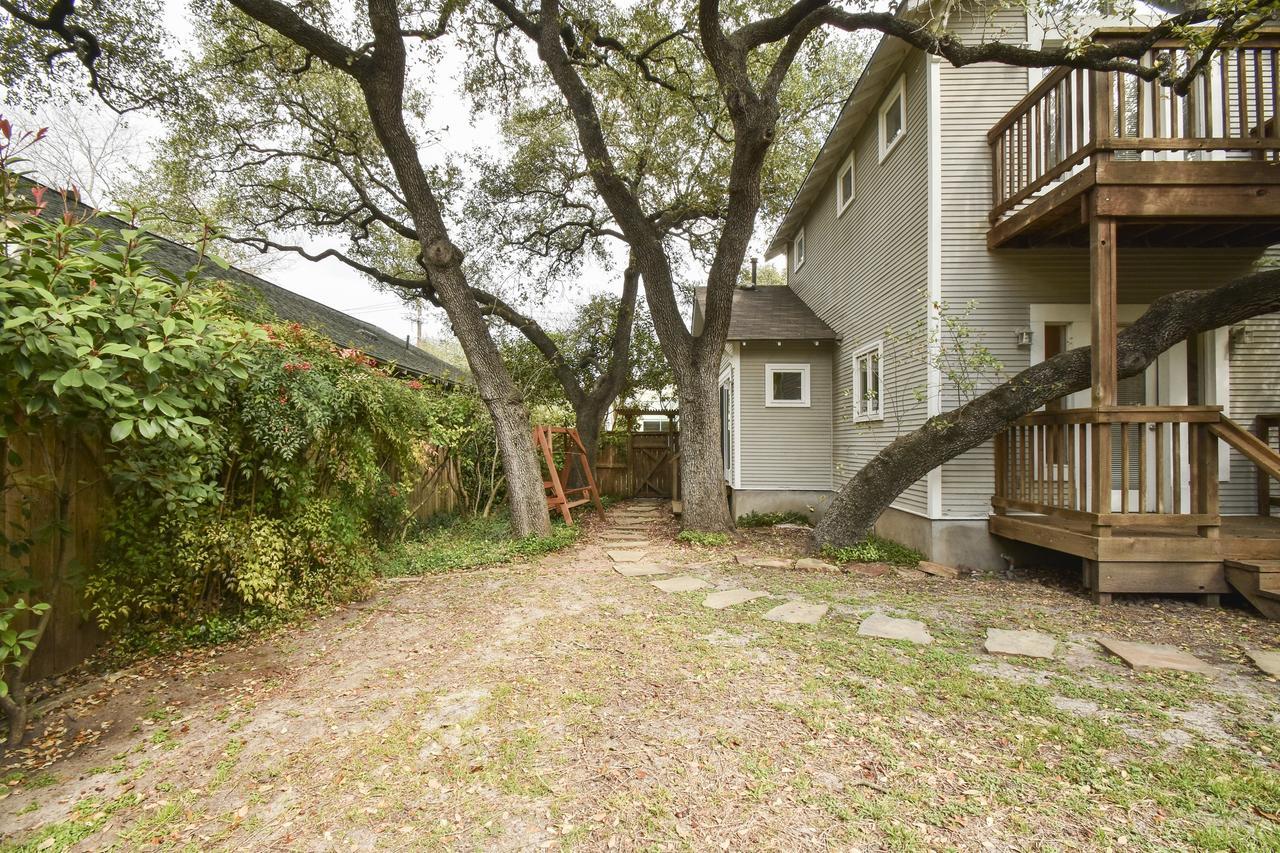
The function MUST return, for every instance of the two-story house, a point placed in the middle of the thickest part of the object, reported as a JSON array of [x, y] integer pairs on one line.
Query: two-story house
[[1029, 212]]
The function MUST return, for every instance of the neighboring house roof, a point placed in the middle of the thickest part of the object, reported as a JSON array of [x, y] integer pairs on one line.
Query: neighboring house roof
[[343, 329], [881, 70], [773, 313]]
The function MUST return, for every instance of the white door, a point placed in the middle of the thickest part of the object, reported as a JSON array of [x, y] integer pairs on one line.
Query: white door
[[1163, 384]]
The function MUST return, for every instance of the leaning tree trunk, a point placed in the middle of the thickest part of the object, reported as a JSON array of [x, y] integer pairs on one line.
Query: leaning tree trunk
[[705, 506], [1170, 319], [383, 87]]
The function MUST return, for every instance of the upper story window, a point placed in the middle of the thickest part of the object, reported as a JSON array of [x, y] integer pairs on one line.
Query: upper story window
[[797, 251], [868, 382], [786, 385], [893, 118], [844, 185]]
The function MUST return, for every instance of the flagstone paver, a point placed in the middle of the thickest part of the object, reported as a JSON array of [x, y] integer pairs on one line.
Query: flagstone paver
[[797, 613], [628, 544], [1027, 644], [890, 628], [763, 562], [627, 556], [731, 597], [681, 583], [810, 564], [640, 570], [1266, 660], [1142, 657]]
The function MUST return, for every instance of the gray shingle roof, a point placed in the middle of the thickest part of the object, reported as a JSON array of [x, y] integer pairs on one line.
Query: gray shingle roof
[[773, 313], [343, 329]]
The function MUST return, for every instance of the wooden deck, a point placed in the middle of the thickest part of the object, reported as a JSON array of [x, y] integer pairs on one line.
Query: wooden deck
[[1212, 204], [1190, 169], [1241, 538]]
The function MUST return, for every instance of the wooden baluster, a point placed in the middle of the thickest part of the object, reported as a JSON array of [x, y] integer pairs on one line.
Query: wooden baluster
[[1085, 485], [1142, 467], [1242, 92], [1207, 462], [1224, 74], [1159, 484], [1175, 473], [1081, 127], [1042, 464], [1258, 109], [1124, 468], [998, 451], [1060, 456]]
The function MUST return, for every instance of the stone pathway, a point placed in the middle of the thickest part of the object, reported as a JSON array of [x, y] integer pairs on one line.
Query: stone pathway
[[1029, 644], [731, 597], [889, 628], [632, 557]]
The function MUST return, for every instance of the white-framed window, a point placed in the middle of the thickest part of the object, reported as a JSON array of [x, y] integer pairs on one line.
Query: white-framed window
[[868, 382], [797, 251], [893, 118], [786, 385], [844, 185]]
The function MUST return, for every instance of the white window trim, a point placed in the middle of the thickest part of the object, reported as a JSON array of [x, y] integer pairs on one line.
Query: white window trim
[[842, 204], [858, 415], [899, 90], [799, 248], [802, 369]]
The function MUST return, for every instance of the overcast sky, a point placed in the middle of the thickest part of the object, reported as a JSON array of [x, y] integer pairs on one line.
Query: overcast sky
[[330, 281]]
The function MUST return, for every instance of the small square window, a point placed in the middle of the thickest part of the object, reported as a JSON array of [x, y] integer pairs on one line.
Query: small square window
[[844, 186], [797, 251], [868, 382], [893, 118], [786, 385]]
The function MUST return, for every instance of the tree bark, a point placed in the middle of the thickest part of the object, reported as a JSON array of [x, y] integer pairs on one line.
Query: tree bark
[[383, 90], [705, 505], [1170, 319]]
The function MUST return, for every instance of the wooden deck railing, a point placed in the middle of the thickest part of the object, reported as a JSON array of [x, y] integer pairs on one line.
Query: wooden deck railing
[[1073, 116], [1267, 428], [1116, 466]]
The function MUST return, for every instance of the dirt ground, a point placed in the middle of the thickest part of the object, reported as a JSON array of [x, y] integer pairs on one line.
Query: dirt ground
[[561, 705]]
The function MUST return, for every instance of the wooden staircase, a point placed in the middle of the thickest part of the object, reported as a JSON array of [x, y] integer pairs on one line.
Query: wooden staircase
[[1259, 582]]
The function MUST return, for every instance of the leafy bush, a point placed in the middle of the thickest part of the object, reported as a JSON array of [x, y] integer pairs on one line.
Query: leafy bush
[[703, 538], [469, 543], [769, 519], [874, 549]]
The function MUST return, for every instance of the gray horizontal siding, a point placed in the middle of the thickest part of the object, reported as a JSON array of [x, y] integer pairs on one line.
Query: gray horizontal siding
[[866, 273], [785, 447], [1004, 283], [1255, 390]]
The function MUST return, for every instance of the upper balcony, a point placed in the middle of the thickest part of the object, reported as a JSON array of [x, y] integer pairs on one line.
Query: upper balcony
[[1200, 169]]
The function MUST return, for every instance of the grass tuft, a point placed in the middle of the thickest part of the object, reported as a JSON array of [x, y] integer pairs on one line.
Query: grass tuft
[[874, 549]]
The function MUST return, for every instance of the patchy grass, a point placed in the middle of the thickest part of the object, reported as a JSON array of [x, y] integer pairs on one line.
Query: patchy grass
[[769, 519], [703, 539], [563, 706], [469, 543], [874, 549]]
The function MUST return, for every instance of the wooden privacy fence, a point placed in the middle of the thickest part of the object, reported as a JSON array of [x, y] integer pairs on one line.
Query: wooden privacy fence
[[53, 461]]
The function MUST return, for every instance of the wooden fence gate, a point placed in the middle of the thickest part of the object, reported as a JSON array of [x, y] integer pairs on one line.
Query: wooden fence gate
[[639, 465]]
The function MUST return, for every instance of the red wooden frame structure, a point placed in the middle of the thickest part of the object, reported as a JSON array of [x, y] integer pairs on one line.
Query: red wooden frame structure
[[559, 497]]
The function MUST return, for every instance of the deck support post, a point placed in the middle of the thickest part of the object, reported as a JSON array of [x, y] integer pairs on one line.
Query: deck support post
[[1102, 326]]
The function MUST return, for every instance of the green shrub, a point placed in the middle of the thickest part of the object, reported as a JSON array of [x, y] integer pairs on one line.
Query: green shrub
[[703, 538], [452, 544], [874, 549], [769, 519]]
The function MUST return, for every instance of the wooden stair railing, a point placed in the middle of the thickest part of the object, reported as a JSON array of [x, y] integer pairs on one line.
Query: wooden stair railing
[[1256, 450], [1262, 426], [559, 497]]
